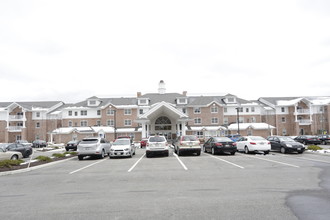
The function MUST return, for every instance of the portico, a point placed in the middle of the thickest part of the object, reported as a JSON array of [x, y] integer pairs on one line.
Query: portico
[[164, 119]]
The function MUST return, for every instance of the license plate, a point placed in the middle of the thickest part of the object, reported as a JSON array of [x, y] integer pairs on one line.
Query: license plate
[[299, 148], [227, 145], [262, 143], [87, 148]]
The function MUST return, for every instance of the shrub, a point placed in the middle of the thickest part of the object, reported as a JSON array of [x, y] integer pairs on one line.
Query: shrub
[[71, 153], [314, 147], [10, 163], [44, 158], [58, 155]]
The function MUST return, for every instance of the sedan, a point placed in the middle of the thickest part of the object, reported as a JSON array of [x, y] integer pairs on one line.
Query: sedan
[[39, 143], [308, 139], [253, 144], [71, 145], [122, 148], [325, 139], [285, 144], [26, 151], [10, 155], [217, 145]]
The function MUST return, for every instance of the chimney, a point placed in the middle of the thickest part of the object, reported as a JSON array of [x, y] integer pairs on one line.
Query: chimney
[[161, 87], [138, 94], [184, 93]]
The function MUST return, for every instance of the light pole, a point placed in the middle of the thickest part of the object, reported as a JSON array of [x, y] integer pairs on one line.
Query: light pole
[[238, 109], [114, 112]]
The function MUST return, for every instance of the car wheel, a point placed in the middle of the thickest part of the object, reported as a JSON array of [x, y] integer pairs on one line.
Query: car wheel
[[266, 152], [282, 150], [233, 153], [14, 157], [178, 152], [102, 154], [80, 157], [198, 153], [246, 150], [324, 143], [305, 142], [204, 149], [147, 155], [213, 151]]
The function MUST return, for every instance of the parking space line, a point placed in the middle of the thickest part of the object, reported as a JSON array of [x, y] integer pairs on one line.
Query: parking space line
[[136, 163], [227, 161], [287, 164], [87, 166], [305, 158], [182, 164]]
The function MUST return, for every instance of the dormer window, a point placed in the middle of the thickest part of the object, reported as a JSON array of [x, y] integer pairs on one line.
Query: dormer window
[[181, 101], [143, 101], [231, 100], [94, 101]]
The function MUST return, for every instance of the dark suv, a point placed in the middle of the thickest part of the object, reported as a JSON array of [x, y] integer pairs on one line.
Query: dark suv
[[39, 143], [308, 139]]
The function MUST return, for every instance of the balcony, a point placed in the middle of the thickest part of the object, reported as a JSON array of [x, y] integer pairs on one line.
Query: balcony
[[302, 112], [304, 122], [15, 128], [17, 118]]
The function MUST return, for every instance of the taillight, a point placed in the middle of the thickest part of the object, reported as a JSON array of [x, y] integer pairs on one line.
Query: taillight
[[253, 143], [218, 144], [234, 144]]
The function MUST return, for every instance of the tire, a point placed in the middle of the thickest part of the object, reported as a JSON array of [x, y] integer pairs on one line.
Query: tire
[[198, 153], [233, 153], [80, 157], [147, 155], [204, 149], [27, 154], [266, 152], [283, 151], [14, 157], [102, 154], [246, 150], [305, 143], [213, 151], [178, 152]]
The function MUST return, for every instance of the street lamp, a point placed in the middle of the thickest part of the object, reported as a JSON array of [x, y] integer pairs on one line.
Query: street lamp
[[114, 121], [238, 109]]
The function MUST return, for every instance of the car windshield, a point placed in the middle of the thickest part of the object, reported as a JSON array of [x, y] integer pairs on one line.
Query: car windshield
[[256, 138], [89, 141], [122, 142], [157, 139], [189, 138], [286, 139], [222, 139]]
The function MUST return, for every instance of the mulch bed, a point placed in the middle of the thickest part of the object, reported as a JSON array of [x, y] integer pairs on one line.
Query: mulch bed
[[36, 163]]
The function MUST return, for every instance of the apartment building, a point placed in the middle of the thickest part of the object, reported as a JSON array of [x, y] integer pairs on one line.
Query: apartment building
[[170, 114]]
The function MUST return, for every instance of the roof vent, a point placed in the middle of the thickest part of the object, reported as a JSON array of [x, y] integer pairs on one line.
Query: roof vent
[[161, 87]]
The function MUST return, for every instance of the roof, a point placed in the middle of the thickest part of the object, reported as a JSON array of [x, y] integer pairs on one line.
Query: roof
[[255, 126], [167, 97]]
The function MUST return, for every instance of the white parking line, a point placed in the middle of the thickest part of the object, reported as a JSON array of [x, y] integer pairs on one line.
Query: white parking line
[[287, 164], [227, 161], [87, 166], [136, 163], [182, 164], [305, 158]]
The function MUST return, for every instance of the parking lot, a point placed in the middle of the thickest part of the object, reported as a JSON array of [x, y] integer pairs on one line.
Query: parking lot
[[274, 186]]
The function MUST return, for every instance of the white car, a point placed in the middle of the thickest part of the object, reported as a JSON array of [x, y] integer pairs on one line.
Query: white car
[[122, 148], [157, 145], [10, 155], [253, 144], [93, 146]]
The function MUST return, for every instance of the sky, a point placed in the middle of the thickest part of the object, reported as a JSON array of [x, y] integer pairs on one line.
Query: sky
[[70, 50]]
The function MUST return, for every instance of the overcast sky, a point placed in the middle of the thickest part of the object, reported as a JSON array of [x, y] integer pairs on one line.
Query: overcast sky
[[70, 50]]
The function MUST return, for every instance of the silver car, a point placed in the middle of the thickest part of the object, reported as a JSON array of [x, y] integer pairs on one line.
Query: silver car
[[10, 155], [122, 148], [93, 146], [157, 145], [187, 143]]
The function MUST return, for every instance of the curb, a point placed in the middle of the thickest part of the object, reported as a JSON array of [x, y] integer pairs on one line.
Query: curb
[[33, 168]]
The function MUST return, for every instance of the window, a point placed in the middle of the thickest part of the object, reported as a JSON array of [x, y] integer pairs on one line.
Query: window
[[182, 101], [83, 112], [38, 114], [128, 122], [241, 120], [247, 110], [38, 125], [282, 109], [231, 100], [75, 113], [83, 123], [197, 110], [110, 122], [225, 110], [184, 110], [214, 109], [127, 111], [252, 109], [225, 121], [240, 109], [92, 102], [283, 119], [98, 112], [141, 111], [70, 113], [98, 123], [143, 101], [70, 123], [215, 121], [284, 133], [253, 119], [110, 112], [198, 121]]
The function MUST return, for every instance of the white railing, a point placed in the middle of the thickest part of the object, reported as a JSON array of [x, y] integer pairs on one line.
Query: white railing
[[304, 122], [16, 117], [303, 111], [15, 128]]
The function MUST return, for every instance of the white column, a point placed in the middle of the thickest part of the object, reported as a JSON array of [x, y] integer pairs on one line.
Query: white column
[[144, 130], [183, 128], [148, 130]]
